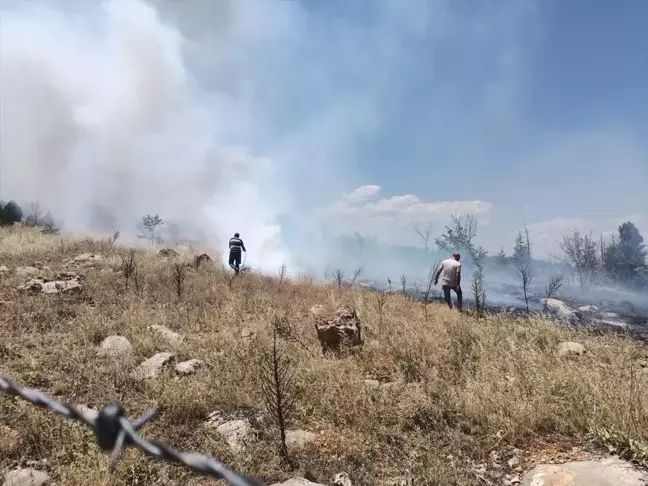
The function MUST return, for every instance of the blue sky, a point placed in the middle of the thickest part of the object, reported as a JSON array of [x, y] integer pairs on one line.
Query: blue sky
[[537, 107], [292, 121]]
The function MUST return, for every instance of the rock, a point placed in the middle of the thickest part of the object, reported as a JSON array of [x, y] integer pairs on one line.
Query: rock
[[607, 472], [570, 348], [189, 367], [26, 477], [86, 260], [342, 479], [590, 309], [371, 383], [61, 286], [27, 271], [116, 347], [202, 258], [513, 462], [167, 334], [153, 366], [561, 310], [65, 282], [297, 482], [168, 252], [4, 269], [299, 438], [342, 329], [247, 334], [236, 433]]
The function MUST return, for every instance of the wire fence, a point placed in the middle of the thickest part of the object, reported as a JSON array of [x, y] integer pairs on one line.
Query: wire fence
[[114, 432]]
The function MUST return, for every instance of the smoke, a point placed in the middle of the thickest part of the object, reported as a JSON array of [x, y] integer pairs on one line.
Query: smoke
[[100, 106]]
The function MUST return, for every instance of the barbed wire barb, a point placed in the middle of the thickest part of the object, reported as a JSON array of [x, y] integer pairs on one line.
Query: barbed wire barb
[[113, 432]]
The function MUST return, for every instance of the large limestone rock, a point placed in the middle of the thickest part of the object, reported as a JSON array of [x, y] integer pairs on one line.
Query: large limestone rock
[[561, 311], [26, 477], [607, 472], [116, 347], [64, 283], [340, 329]]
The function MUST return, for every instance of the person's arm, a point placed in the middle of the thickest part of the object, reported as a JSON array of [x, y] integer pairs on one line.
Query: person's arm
[[438, 273], [243, 246], [458, 276]]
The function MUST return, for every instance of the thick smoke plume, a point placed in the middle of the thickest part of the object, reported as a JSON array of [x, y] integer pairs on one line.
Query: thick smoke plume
[[100, 107]]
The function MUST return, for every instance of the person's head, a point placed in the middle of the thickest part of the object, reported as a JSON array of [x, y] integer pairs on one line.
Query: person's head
[[456, 256], [236, 235]]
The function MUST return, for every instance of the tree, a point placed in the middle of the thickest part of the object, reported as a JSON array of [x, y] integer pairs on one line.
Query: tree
[[425, 233], [10, 213], [522, 260], [624, 259], [580, 254], [502, 259], [149, 226]]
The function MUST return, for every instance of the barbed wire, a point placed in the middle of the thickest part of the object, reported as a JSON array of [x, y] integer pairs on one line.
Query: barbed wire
[[114, 431]]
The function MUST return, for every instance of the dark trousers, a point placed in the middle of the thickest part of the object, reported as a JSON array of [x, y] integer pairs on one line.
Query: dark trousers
[[235, 260], [446, 295]]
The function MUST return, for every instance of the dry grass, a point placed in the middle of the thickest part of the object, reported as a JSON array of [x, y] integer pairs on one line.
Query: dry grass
[[466, 387]]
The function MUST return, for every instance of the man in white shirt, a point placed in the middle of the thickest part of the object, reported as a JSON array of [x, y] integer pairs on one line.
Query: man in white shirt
[[450, 273]]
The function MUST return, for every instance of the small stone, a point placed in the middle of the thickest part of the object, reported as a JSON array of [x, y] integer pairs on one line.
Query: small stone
[[297, 482], [4, 269], [167, 334], [299, 438], [236, 433], [26, 477], [571, 349], [342, 479], [116, 347], [27, 271], [513, 462], [188, 367], [153, 366], [371, 383]]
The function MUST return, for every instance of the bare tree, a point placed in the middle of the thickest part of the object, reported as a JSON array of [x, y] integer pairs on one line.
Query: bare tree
[[478, 291], [425, 233], [277, 373], [427, 293], [178, 276], [403, 282], [128, 267], [381, 300], [283, 271], [553, 286], [338, 275], [580, 254], [522, 259], [357, 273], [389, 283], [112, 239]]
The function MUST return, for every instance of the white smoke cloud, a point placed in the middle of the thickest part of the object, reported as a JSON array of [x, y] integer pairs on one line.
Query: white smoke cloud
[[99, 107]]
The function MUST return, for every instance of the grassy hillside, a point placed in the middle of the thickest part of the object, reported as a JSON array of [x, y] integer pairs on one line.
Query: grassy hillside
[[465, 391]]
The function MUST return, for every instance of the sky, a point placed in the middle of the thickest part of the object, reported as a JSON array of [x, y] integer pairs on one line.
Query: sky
[[290, 121]]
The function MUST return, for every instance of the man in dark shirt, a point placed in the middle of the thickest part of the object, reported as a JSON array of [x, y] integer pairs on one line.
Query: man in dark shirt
[[235, 247]]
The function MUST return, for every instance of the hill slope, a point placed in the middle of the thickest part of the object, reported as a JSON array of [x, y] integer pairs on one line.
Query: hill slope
[[463, 391]]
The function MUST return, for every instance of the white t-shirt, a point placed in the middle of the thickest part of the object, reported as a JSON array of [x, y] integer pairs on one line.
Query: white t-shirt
[[449, 270]]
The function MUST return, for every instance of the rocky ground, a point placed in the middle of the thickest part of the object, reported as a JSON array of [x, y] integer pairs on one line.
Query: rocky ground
[[378, 390]]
